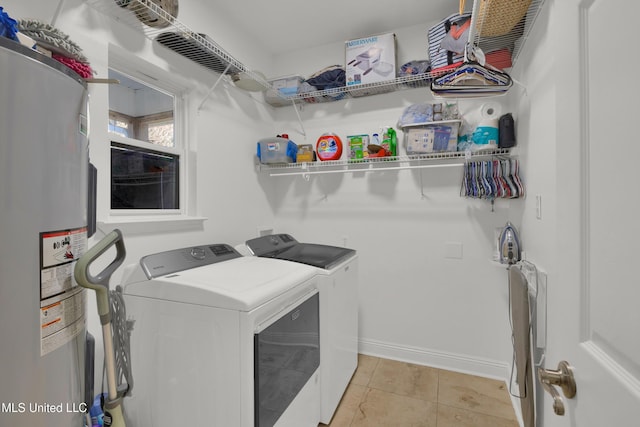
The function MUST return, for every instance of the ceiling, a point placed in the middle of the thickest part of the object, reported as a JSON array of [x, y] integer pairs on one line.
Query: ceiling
[[291, 25]]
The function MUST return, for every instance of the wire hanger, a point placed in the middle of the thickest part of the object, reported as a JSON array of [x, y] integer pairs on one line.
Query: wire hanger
[[472, 78]]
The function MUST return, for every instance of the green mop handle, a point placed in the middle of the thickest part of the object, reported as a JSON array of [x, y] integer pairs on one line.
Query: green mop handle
[[100, 282]]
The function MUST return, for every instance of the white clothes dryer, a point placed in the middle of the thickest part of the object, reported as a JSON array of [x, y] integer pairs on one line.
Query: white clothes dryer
[[222, 340], [337, 270]]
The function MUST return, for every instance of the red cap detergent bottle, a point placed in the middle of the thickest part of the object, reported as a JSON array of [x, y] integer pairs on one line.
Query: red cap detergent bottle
[[329, 147]]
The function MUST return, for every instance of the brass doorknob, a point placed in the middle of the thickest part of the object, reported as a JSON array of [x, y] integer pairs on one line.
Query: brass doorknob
[[562, 377]]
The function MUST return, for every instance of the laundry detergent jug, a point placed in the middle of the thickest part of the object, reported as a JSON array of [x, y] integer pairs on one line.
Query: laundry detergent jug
[[329, 147]]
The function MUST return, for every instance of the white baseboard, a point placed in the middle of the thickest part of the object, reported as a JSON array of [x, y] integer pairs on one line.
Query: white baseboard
[[437, 359]]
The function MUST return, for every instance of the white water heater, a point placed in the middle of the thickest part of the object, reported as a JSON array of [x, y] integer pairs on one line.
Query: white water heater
[[43, 231]]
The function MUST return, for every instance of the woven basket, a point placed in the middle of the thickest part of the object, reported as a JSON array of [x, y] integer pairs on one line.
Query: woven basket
[[498, 17]]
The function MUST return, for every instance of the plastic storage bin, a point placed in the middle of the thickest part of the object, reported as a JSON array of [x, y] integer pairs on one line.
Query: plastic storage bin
[[276, 150], [432, 137], [282, 88]]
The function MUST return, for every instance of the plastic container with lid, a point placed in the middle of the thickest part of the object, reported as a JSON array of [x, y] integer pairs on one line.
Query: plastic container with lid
[[329, 147], [276, 150]]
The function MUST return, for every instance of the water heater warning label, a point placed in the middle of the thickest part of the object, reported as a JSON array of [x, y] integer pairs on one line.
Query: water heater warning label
[[62, 320], [62, 301], [59, 252]]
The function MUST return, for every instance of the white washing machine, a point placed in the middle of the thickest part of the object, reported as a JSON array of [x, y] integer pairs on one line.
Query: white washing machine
[[337, 268], [222, 340]]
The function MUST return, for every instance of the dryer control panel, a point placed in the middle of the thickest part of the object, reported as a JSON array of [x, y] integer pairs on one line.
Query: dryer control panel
[[173, 261], [271, 245]]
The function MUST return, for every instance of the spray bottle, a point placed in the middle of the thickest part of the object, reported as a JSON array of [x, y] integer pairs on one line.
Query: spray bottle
[[390, 141]]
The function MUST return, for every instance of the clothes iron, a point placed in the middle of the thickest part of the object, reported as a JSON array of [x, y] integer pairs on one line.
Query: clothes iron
[[509, 244]]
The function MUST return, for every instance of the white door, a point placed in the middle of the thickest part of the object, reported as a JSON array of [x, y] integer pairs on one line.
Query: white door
[[594, 319]]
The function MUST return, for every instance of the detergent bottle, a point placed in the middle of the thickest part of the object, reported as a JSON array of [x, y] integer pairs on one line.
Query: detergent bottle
[[390, 142], [394, 141]]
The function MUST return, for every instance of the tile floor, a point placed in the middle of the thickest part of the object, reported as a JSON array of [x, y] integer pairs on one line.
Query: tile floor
[[387, 393]]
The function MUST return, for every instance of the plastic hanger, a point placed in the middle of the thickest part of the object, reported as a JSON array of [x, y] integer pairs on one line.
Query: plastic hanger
[[492, 179], [472, 78], [475, 72]]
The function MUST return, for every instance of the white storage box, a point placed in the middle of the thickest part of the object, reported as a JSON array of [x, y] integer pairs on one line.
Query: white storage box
[[282, 88], [433, 137], [370, 59]]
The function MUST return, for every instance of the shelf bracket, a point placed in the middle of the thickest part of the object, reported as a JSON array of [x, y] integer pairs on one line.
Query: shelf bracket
[[213, 87], [422, 195], [295, 107]]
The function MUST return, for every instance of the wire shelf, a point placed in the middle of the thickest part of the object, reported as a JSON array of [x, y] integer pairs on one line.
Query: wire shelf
[[361, 90], [157, 24], [380, 163], [504, 24]]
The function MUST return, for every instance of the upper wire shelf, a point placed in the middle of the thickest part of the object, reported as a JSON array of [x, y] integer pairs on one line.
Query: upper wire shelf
[[503, 23], [157, 24]]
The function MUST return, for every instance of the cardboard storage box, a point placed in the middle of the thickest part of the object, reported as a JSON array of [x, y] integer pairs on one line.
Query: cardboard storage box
[[358, 146], [370, 59], [282, 87]]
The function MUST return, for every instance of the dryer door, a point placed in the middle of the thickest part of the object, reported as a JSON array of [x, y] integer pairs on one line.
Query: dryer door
[[286, 355]]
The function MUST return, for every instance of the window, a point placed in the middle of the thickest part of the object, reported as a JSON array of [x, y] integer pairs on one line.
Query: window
[[120, 124], [145, 156], [143, 179]]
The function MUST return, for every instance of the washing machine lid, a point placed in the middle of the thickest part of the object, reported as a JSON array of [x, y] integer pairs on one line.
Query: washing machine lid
[[241, 283], [285, 247]]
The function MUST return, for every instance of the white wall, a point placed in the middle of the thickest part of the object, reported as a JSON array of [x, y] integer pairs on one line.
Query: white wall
[[411, 44], [535, 105], [537, 112], [416, 303]]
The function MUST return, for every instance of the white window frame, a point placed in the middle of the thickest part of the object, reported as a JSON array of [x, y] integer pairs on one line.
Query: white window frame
[[145, 220]]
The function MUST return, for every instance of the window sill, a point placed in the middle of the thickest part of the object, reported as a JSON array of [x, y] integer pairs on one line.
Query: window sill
[[147, 224]]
